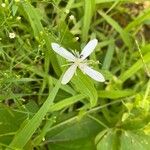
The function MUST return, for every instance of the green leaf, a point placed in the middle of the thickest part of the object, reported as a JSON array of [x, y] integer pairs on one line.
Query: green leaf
[[108, 141], [78, 135], [89, 7], [122, 140], [85, 86], [23, 135], [134, 141], [33, 18], [8, 123], [134, 68], [66, 102], [109, 56], [115, 94]]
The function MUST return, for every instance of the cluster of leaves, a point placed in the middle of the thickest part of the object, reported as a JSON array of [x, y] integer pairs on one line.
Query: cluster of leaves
[[37, 112]]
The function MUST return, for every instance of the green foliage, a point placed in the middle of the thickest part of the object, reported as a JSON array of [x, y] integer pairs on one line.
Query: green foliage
[[37, 112]]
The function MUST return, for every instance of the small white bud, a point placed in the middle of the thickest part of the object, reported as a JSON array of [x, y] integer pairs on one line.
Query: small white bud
[[18, 18], [12, 35], [3, 5], [77, 38], [71, 17]]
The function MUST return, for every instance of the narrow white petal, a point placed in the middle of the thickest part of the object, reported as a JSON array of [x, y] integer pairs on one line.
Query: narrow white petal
[[92, 73], [69, 74], [88, 49], [62, 51]]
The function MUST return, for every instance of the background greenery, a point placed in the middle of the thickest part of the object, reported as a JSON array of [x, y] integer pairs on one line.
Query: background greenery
[[37, 112]]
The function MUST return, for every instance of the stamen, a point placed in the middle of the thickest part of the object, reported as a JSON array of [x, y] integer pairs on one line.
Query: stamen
[[73, 52], [66, 64], [76, 53]]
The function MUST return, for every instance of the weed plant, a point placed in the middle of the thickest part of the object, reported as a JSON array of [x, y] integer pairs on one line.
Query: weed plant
[[38, 112]]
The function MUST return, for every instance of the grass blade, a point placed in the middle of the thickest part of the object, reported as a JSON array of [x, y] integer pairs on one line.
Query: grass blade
[[124, 35], [23, 135], [134, 68], [138, 21], [88, 12]]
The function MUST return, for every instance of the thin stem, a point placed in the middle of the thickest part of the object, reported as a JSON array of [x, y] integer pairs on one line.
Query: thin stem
[[145, 66], [101, 123]]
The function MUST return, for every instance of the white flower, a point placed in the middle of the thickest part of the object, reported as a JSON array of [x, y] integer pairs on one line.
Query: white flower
[[71, 17], [3, 5], [78, 60], [18, 18], [12, 35], [76, 38]]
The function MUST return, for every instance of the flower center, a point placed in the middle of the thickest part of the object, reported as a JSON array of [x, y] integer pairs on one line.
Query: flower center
[[78, 61]]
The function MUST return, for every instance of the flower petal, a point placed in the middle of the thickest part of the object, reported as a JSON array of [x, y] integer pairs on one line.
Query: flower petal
[[92, 73], [62, 51], [69, 74], [88, 49]]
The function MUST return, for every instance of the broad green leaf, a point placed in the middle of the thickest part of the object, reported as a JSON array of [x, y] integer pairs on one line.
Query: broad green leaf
[[108, 141], [100, 136], [134, 141], [81, 144], [76, 135], [8, 123], [122, 140]]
